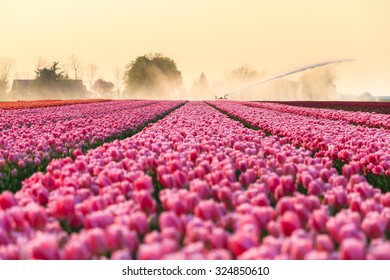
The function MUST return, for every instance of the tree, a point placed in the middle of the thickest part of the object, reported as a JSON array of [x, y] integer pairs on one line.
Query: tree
[[201, 87], [76, 66], [5, 69], [318, 84], [244, 73], [366, 96], [235, 82], [49, 74], [22, 75], [91, 72], [49, 81], [202, 82], [117, 74], [152, 73], [102, 86], [41, 63]]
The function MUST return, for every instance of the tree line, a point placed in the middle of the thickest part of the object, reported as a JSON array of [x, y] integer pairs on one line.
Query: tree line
[[148, 73], [157, 76]]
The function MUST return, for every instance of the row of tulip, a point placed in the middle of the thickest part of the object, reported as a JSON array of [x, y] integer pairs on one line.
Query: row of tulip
[[21, 104], [359, 118], [195, 185], [354, 106], [10, 119], [370, 147], [28, 148]]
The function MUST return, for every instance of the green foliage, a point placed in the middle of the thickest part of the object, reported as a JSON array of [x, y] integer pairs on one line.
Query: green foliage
[[152, 73], [381, 182], [49, 75]]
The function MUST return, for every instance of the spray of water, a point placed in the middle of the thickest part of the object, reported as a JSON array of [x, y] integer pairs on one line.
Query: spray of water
[[290, 73]]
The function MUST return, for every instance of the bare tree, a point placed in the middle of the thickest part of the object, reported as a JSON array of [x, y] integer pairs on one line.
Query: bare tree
[[5, 68], [76, 66], [91, 72], [117, 74], [22, 75], [41, 63], [65, 70]]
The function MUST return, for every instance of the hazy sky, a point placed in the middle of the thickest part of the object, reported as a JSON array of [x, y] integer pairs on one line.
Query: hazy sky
[[210, 36]]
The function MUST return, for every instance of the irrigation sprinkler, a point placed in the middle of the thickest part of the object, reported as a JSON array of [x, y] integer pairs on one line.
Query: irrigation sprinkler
[[289, 73]]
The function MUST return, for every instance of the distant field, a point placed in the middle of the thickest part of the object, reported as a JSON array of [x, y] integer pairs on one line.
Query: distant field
[[363, 106], [45, 103]]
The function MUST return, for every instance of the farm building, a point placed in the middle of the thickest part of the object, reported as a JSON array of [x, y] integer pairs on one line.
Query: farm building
[[31, 89]]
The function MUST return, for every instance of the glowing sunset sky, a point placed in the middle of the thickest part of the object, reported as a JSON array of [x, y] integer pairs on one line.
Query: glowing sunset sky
[[205, 36]]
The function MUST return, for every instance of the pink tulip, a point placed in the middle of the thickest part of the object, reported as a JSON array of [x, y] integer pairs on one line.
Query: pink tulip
[[191, 201], [273, 182], [241, 242], [289, 222], [284, 204], [300, 247], [315, 255], [62, 206], [324, 243], [144, 183], [43, 247], [96, 241], [98, 219], [36, 216], [379, 250], [200, 187], [378, 170], [219, 254], [76, 250], [150, 252], [181, 178], [7, 200], [169, 233], [4, 239], [319, 219], [138, 223], [208, 210], [169, 219], [76, 153], [123, 254], [352, 249], [315, 187], [119, 237], [13, 158], [373, 225], [145, 201], [385, 199], [14, 173]]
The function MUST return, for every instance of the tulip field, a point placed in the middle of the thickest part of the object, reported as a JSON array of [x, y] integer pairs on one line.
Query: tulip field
[[142, 179], [45, 103]]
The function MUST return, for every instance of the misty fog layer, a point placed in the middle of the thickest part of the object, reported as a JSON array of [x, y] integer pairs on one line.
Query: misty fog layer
[[316, 82]]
